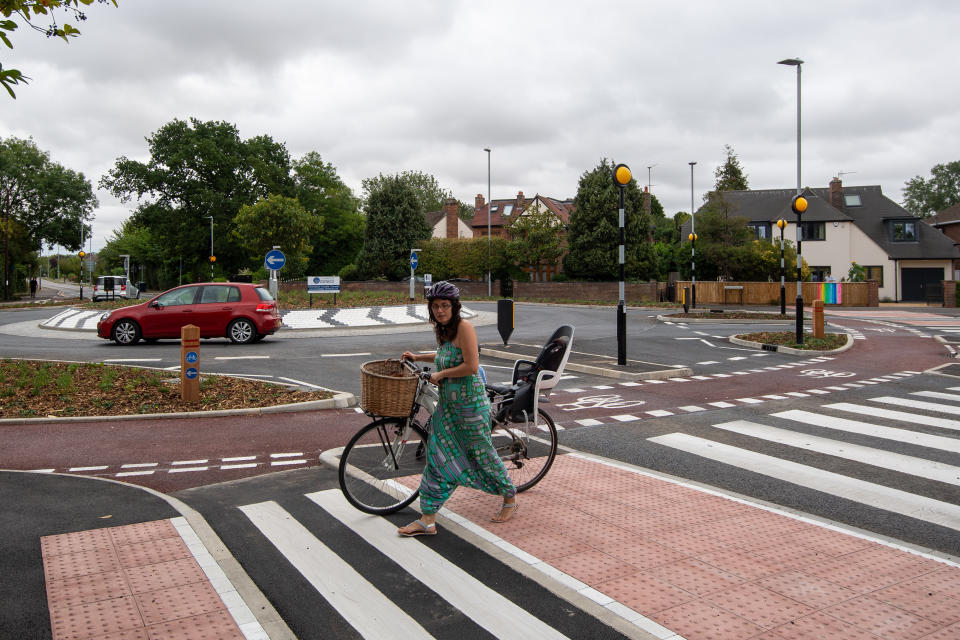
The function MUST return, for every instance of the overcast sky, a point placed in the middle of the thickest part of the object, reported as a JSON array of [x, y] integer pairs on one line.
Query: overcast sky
[[551, 86]]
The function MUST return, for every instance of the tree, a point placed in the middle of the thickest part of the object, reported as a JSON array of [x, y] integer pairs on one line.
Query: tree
[[322, 193], [428, 190], [395, 224], [721, 236], [925, 198], [535, 239], [22, 9], [198, 169], [593, 235], [729, 175], [277, 220], [40, 201]]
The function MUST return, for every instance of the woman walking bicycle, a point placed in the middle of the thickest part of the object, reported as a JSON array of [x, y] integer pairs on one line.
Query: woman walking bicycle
[[460, 450]]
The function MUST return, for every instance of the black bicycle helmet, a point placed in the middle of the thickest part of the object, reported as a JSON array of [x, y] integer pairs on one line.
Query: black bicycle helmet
[[444, 290]]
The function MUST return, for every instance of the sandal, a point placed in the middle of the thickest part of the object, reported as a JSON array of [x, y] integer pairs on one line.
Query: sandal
[[424, 530], [500, 517]]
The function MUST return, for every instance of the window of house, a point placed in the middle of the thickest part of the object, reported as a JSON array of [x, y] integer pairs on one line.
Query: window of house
[[874, 273], [903, 231], [819, 274], [507, 209], [852, 199], [761, 230], [814, 230]]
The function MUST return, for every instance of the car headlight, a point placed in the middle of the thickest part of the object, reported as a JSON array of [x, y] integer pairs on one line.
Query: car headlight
[[105, 316]]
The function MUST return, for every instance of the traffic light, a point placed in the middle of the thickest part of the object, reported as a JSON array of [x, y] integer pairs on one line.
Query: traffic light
[[798, 204]]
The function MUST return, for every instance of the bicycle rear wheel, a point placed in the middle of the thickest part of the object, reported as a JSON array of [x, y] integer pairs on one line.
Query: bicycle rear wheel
[[527, 451], [380, 467]]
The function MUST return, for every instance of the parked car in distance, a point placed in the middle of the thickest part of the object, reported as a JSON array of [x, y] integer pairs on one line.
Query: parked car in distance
[[243, 313], [109, 288]]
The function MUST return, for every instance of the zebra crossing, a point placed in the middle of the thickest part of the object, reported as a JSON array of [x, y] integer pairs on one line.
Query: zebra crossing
[[919, 439]]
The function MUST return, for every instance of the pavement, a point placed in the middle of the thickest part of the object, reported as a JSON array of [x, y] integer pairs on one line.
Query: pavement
[[649, 555]]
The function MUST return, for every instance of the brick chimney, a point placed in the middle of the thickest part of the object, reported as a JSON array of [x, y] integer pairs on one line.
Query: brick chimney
[[478, 202], [450, 213], [836, 193], [519, 204]]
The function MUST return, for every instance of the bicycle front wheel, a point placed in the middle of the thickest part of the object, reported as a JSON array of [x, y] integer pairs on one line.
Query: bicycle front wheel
[[527, 451], [380, 467]]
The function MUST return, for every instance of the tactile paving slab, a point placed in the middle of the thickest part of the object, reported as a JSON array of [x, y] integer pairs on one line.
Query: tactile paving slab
[[135, 582], [708, 567]]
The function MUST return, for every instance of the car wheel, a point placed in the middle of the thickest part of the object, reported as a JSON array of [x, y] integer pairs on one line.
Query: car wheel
[[125, 332], [241, 331]]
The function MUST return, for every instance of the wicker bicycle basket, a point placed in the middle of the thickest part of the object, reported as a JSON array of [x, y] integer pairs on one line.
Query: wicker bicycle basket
[[387, 388]]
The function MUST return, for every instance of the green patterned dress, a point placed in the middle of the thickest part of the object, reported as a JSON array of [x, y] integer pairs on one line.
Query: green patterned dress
[[460, 450]]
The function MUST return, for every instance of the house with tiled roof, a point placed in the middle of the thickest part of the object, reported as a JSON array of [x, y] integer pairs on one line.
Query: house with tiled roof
[[500, 212], [948, 222], [447, 223], [905, 255]]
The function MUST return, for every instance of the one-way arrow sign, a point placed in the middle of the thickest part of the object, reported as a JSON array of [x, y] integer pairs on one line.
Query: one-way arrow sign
[[275, 260]]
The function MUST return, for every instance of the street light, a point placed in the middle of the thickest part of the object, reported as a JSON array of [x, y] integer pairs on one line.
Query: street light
[[798, 206], [621, 178], [693, 246], [489, 281], [781, 224], [213, 258]]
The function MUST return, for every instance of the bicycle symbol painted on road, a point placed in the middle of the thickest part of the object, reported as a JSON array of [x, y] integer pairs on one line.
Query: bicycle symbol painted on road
[[826, 373], [602, 401]]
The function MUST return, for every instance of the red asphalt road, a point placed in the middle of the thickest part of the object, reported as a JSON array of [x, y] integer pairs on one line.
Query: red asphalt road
[[179, 449]]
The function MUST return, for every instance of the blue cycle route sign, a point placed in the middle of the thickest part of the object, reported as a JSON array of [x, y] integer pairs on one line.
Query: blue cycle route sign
[[413, 260], [275, 260], [191, 357], [191, 373]]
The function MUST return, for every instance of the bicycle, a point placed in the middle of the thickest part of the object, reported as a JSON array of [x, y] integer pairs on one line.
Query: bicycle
[[381, 465]]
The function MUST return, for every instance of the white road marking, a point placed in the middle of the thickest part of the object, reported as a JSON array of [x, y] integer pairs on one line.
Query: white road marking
[[691, 408], [238, 458], [626, 417], [868, 493], [588, 422], [937, 395], [866, 428], [721, 405], [245, 465], [134, 360], [138, 465], [659, 413], [124, 474], [179, 462], [241, 357], [186, 469], [363, 606], [749, 400], [878, 412], [281, 463], [491, 611], [287, 455], [858, 453], [918, 404], [97, 468]]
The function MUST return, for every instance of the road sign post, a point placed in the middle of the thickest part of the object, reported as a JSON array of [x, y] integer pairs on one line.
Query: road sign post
[[414, 261], [190, 364], [274, 261]]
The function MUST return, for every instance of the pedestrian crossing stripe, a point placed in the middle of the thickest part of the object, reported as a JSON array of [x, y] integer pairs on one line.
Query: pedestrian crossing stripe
[[895, 434], [363, 606], [828, 482], [858, 453], [490, 610], [892, 414]]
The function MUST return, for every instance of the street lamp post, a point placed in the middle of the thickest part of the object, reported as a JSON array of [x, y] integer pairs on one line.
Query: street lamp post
[[489, 203], [693, 246], [798, 206], [781, 224], [213, 258], [621, 177]]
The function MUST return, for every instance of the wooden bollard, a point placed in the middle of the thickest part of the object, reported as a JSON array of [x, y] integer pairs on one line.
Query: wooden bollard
[[818, 318], [190, 364]]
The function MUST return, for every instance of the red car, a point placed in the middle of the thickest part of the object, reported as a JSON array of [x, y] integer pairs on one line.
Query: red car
[[240, 311]]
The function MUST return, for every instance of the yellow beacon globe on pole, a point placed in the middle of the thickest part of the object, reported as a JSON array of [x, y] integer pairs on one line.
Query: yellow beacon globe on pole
[[799, 204], [622, 175]]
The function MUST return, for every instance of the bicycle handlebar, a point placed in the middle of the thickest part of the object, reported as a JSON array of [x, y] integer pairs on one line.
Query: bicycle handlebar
[[421, 372]]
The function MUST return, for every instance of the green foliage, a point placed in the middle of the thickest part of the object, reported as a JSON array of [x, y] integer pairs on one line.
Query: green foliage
[[277, 220], [22, 9], [429, 193], [925, 198], [395, 224], [593, 234], [446, 258], [856, 273], [198, 169], [40, 201], [730, 175], [535, 238], [322, 193]]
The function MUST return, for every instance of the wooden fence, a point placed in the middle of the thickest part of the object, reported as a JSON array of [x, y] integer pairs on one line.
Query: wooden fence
[[845, 294]]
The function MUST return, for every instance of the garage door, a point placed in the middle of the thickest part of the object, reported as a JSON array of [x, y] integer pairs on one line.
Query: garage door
[[918, 283]]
